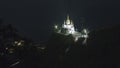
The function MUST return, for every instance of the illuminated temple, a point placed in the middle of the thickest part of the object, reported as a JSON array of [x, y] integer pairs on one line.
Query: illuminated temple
[[68, 28]]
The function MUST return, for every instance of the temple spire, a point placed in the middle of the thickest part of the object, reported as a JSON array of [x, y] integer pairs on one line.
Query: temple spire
[[68, 18]]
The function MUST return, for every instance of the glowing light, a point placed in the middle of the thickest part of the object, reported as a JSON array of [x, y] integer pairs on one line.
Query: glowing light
[[15, 63], [11, 50], [16, 42], [6, 48], [68, 20], [85, 30], [85, 41], [84, 36], [56, 27], [42, 48], [19, 43], [76, 39]]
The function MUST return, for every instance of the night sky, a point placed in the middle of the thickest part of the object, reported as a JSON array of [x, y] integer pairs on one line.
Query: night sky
[[35, 18]]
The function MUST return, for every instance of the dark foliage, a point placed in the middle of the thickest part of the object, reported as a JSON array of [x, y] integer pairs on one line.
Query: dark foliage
[[101, 51]]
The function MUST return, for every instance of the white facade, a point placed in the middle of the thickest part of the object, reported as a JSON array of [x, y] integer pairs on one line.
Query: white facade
[[69, 26]]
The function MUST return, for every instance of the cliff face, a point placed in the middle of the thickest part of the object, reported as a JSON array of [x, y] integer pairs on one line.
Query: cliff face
[[101, 51], [62, 52]]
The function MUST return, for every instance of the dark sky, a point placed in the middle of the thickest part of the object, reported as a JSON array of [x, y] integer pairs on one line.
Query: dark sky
[[35, 18]]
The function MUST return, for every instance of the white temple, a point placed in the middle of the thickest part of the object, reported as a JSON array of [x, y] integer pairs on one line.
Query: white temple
[[68, 28]]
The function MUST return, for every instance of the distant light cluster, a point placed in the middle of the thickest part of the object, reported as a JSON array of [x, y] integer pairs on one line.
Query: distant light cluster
[[68, 28], [19, 43]]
